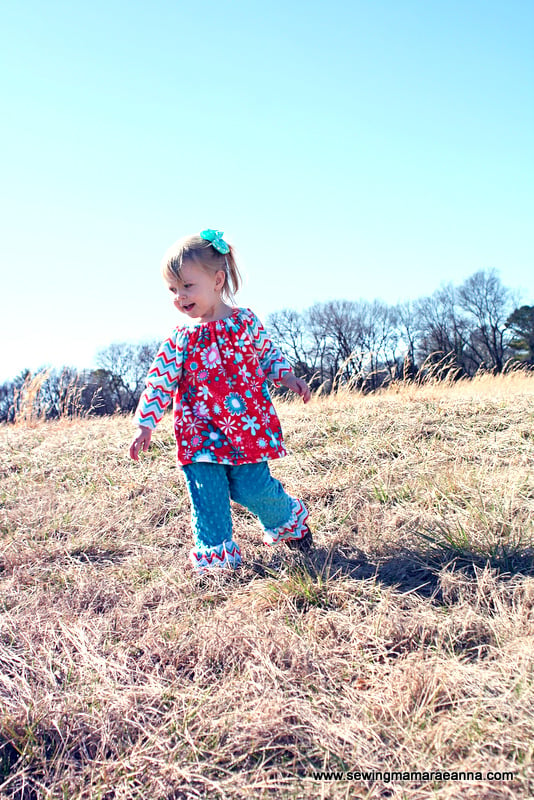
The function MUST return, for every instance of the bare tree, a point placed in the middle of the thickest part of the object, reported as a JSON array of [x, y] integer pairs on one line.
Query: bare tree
[[290, 331], [355, 341], [122, 371], [379, 342], [337, 326], [407, 326], [442, 328], [488, 305]]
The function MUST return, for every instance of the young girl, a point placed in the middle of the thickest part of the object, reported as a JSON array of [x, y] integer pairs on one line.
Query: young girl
[[226, 427]]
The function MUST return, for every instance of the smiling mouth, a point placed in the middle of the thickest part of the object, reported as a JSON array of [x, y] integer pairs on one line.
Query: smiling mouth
[[188, 307]]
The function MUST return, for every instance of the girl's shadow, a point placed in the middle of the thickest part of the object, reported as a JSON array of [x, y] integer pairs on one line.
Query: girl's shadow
[[411, 571]]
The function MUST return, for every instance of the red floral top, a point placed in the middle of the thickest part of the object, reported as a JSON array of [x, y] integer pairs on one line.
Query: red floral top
[[216, 374]]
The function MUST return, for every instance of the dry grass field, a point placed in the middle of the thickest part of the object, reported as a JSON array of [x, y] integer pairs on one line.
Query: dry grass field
[[403, 645]]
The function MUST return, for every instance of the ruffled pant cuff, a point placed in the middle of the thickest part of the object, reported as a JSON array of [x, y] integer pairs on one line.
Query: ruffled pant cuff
[[294, 528], [223, 556]]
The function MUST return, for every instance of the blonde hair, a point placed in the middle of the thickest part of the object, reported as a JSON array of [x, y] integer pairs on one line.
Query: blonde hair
[[200, 252]]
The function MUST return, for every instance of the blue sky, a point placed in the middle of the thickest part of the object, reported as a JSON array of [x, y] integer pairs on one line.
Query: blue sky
[[363, 149]]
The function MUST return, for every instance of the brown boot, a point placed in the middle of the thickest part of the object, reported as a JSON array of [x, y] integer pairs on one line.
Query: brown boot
[[304, 544]]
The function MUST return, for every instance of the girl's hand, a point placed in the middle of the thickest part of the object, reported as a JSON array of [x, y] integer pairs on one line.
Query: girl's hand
[[140, 442], [297, 385]]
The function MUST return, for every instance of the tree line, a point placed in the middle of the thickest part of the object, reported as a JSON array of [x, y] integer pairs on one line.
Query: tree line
[[115, 385], [457, 331]]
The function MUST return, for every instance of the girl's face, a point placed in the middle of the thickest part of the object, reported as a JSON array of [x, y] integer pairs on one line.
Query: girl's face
[[197, 293]]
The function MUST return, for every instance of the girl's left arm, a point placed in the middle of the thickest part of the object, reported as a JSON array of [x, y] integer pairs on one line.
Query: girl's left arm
[[273, 362], [297, 385]]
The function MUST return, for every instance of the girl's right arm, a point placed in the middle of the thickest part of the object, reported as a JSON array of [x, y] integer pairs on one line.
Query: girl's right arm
[[140, 442], [161, 386]]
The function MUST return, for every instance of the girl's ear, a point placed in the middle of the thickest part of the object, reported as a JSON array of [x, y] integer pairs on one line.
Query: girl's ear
[[220, 278]]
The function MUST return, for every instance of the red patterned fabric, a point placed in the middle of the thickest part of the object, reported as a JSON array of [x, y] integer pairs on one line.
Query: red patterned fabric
[[215, 372]]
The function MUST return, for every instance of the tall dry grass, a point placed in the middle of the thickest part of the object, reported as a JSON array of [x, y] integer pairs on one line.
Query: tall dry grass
[[33, 402], [404, 644]]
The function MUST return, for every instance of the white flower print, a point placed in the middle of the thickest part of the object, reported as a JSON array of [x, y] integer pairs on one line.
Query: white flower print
[[182, 412], [204, 392], [191, 426], [210, 356], [201, 410], [251, 356], [228, 425]]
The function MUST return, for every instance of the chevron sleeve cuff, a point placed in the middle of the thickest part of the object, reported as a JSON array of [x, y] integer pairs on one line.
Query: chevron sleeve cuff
[[151, 407], [277, 370]]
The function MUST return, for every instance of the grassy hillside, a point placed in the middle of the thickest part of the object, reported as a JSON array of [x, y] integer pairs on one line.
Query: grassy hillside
[[405, 643]]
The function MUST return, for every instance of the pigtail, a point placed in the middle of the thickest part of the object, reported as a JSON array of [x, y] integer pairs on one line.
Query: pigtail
[[233, 276]]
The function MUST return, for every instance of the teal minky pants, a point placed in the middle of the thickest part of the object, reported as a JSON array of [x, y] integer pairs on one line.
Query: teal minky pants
[[212, 486]]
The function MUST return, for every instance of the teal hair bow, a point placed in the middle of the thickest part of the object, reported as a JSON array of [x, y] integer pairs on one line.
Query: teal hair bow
[[215, 237]]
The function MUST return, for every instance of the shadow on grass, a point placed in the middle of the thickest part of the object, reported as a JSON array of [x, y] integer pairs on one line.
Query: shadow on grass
[[415, 571]]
